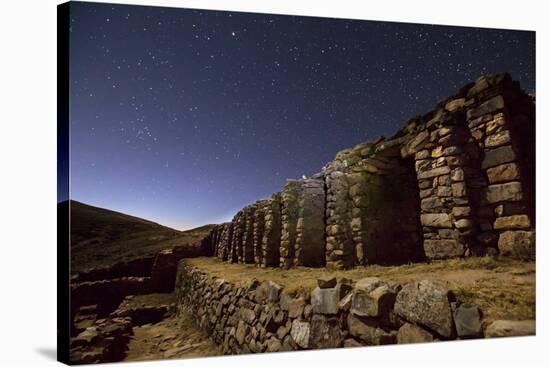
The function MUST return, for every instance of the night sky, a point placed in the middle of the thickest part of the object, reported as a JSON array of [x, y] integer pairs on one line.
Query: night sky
[[185, 116]]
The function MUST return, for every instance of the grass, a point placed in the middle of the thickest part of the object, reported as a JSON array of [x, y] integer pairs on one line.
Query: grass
[[502, 287], [101, 237]]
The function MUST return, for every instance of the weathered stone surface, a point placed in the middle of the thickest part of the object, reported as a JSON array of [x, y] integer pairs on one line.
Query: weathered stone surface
[[426, 303], [486, 107], [410, 333], [510, 191], [325, 332], [497, 156], [513, 222], [372, 297], [443, 249], [434, 172], [352, 343], [300, 333], [503, 173], [519, 244], [273, 291], [367, 330], [500, 328], [467, 321], [273, 344], [498, 139], [441, 220], [325, 301], [326, 282]]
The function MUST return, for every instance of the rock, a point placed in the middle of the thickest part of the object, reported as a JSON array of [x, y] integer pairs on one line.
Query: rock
[[273, 291], [247, 315], [426, 303], [500, 328], [513, 222], [410, 333], [372, 297], [467, 321], [459, 189], [492, 105], [519, 244], [367, 330], [325, 301], [497, 156], [480, 85], [455, 104], [463, 224], [352, 343], [296, 307], [502, 173], [498, 139], [443, 249], [434, 173], [510, 191], [461, 211], [273, 344], [345, 303], [242, 331], [441, 220], [431, 203], [300, 333], [325, 332], [326, 282]]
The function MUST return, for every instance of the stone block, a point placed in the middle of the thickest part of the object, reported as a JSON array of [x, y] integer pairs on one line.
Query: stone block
[[510, 191], [490, 106], [410, 333], [426, 303], [441, 220], [502, 328], [513, 222], [519, 244], [497, 139], [497, 156], [325, 301], [443, 249], [503, 173], [300, 332], [467, 321], [372, 297]]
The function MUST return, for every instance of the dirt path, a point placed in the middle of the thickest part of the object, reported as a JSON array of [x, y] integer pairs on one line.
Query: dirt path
[[174, 337]]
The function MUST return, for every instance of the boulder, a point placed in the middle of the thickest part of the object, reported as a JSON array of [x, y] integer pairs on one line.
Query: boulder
[[326, 282], [410, 333], [300, 333], [367, 330], [467, 321], [443, 249], [500, 328], [497, 156], [502, 173], [325, 332], [510, 191], [441, 220], [426, 303], [325, 301], [519, 244], [372, 297]]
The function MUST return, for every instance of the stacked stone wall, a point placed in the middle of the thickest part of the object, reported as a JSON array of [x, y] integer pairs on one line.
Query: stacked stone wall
[[457, 181], [255, 316]]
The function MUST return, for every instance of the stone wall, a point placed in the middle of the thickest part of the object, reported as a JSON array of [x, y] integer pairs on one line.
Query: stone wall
[[456, 181], [260, 316]]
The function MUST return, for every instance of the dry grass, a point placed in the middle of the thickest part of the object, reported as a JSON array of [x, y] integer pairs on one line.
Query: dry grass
[[503, 288]]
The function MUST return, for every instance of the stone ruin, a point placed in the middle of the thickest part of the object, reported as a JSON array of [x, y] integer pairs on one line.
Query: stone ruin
[[457, 181]]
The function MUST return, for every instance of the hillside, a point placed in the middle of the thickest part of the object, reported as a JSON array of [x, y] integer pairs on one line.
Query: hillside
[[102, 237]]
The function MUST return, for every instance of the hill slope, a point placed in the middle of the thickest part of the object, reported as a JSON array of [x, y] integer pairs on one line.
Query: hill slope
[[101, 237]]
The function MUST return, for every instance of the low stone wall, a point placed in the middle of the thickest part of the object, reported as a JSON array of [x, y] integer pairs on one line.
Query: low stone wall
[[254, 316]]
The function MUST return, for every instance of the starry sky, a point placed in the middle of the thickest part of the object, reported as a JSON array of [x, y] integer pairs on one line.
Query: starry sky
[[185, 116]]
